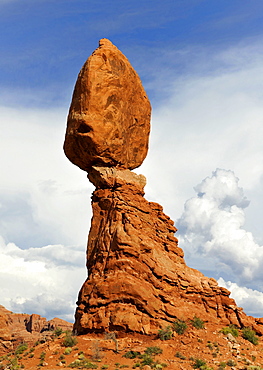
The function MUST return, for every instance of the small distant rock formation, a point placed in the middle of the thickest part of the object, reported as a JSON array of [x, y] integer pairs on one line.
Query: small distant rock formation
[[16, 328], [137, 277]]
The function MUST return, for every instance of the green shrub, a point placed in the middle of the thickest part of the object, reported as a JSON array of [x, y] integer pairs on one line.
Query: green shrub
[[231, 329], [179, 326], [250, 335], [198, 363], [21, 348], [42, 356], [131, 354], [58, 331], [83, 364], [165, 333], [197, 323], [70, 340], [147, 360], [68, 351], [179, 355], [231, 363], [153, 351]]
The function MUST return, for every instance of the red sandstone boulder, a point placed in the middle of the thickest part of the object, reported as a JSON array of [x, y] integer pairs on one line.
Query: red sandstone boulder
[[109, 117]]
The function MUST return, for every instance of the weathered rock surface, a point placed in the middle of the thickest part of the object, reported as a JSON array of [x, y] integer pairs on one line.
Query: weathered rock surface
[[109, 118], [138, 280], [16, 328]]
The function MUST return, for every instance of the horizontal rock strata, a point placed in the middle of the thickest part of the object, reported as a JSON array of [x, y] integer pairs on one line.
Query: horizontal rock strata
[[16, 328], [138, 280]]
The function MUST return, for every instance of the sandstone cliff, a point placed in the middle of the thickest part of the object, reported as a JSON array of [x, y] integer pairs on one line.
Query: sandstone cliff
[[16, 328]]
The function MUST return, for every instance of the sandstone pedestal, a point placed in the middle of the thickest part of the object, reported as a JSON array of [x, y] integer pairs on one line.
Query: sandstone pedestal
[[138, 280]]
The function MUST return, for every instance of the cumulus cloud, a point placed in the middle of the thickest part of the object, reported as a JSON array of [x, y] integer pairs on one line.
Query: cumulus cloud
[[249, 299], [44, 199], [212, 225], [42, 280], [211, 117]]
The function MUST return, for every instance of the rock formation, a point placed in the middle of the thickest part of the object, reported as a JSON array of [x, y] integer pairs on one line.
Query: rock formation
[[16, 328], [109, 117], [137, 278]]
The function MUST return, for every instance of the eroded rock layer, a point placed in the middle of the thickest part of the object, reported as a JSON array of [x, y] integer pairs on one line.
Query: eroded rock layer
[[16, 328], [138, 280], [109, 117]]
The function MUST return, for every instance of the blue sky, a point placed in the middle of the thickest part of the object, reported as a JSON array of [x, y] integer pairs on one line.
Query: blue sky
[[201, 63]]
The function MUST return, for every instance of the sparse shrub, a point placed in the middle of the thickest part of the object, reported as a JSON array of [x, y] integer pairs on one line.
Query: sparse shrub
[[42, 356], [104, 367], [96, 352], [250, 335], [179, 355], [70, 340], [112, 335], [58, 331], [83, 364], [231, 363], [153, 351], [230, 329], [123, 366], [31, 355], [147, 360], [179, 326], [197, 323], [21, 348], [222, 366], [131, 354], [61, 357], [67, 351], [165, 333], [198, 363]]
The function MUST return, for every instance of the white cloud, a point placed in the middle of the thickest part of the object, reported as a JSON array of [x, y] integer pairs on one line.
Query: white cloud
[[212, 226], [250, 300], [212, 117], [42, 280], [42, 194]]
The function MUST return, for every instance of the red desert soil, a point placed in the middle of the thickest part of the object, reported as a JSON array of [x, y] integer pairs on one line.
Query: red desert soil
[[179, 352]]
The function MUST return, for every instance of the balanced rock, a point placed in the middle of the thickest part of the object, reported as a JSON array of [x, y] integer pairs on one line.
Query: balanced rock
[[109, 117], [137, 277]]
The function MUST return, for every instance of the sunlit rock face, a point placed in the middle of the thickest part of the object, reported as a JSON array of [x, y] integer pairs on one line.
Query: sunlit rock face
[[137, 277], [109, 117]]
